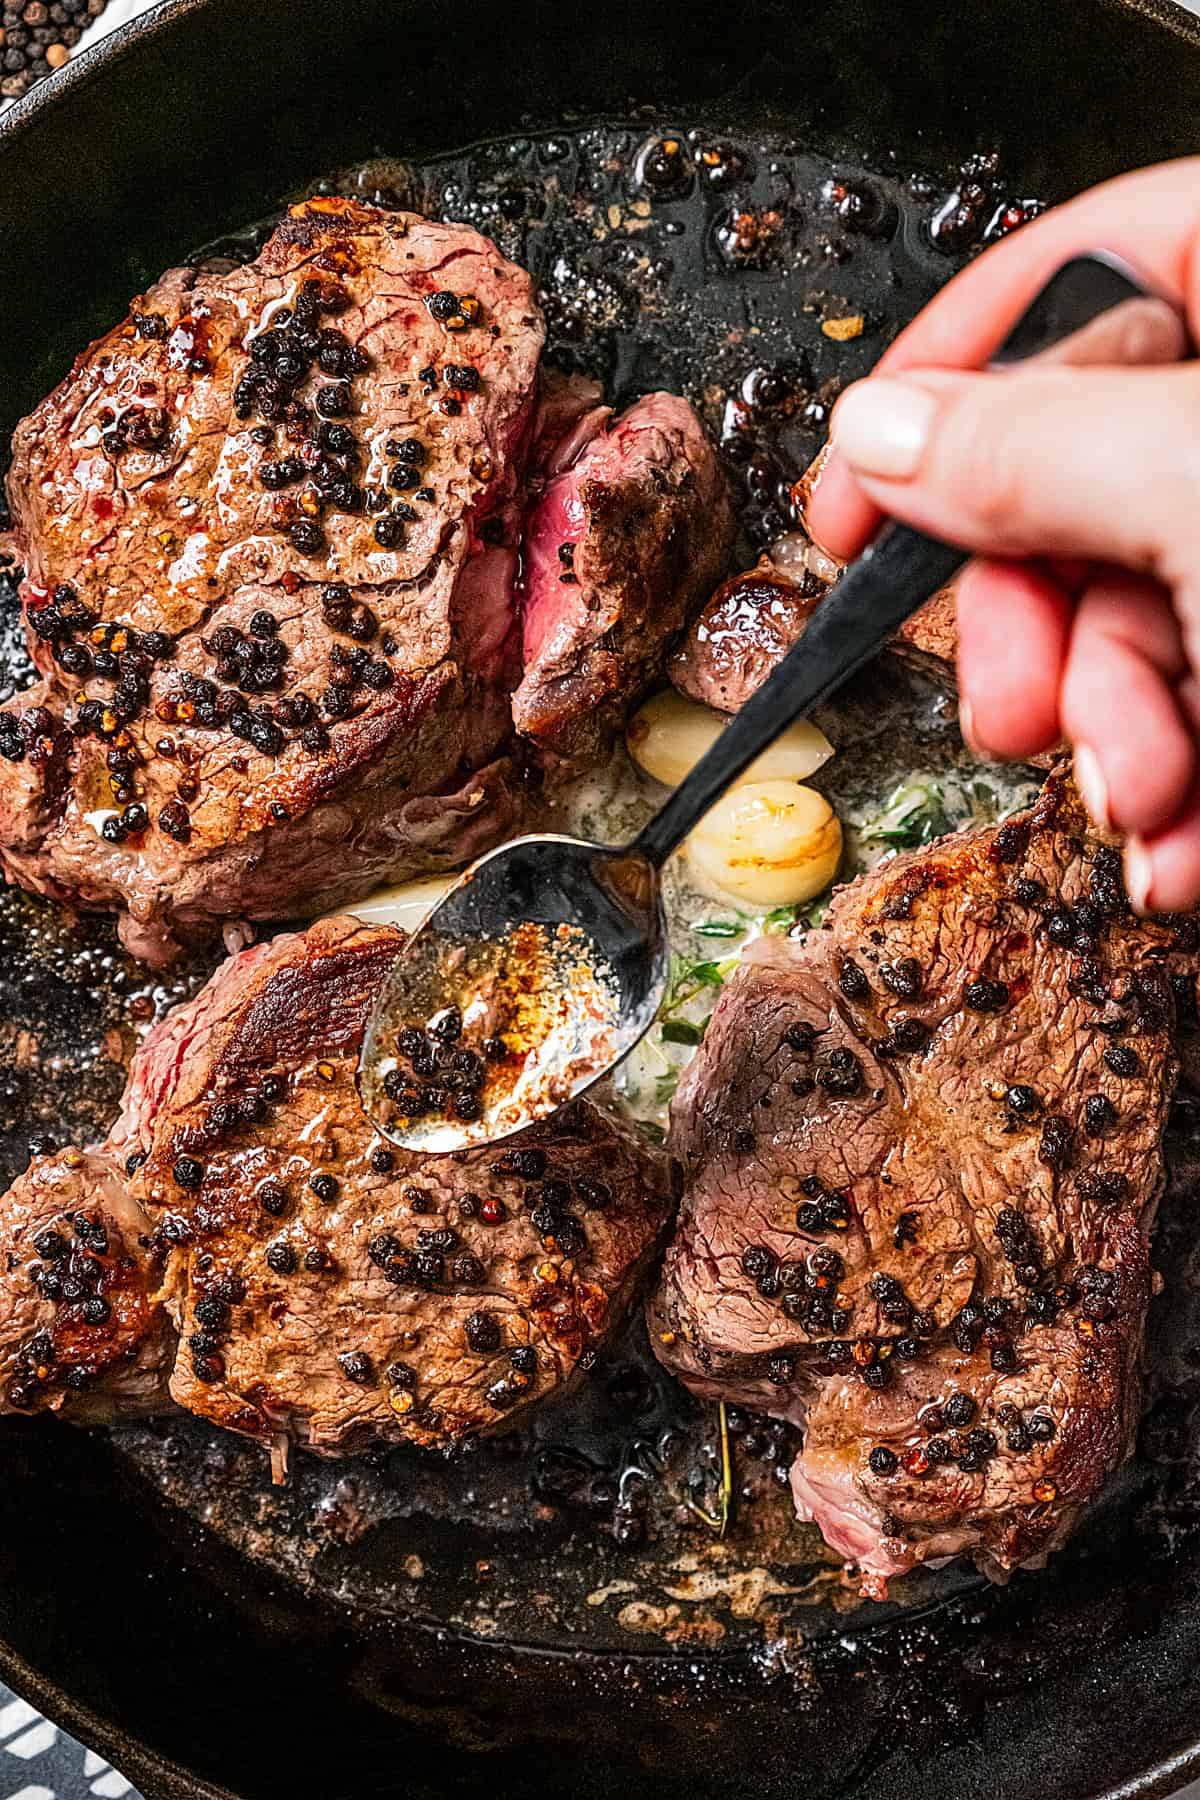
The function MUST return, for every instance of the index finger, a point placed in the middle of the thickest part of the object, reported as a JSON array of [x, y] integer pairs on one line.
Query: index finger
[[1151, 218]]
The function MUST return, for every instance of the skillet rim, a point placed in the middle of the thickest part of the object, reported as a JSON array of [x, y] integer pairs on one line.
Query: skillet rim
[[156, 1775]]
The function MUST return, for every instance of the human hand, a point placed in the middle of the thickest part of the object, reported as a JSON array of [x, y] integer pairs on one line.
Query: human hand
[[1078, 487]]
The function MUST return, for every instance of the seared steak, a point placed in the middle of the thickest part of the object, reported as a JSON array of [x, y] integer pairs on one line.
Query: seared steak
[[740, 634], [269, 528], [245, 1232], [922, 1153], [753, 619], [624, 543], [88, 1334]]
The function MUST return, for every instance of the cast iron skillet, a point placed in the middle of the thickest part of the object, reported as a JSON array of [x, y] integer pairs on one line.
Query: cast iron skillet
[[190, 1667]]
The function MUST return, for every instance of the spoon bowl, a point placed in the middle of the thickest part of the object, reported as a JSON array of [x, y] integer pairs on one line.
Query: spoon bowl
[[543, 966]]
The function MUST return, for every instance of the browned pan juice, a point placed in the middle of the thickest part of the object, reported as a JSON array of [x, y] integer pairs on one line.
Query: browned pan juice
[[756, 279]]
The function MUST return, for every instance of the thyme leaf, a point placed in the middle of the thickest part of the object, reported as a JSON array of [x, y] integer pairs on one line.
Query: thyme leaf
[[719, 928], [915, 814], [681, 1031], [720, 1520]]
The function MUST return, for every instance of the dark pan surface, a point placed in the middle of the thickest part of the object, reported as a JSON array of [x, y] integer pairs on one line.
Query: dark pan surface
[[283, 1644]]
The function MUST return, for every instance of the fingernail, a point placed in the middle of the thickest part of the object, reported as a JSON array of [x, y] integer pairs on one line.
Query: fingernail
[[1139, 874], [966, 724], [881, 427], [1089, 779]]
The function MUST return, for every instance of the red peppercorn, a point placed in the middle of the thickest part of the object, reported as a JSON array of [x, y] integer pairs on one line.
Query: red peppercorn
[[492, 1211]]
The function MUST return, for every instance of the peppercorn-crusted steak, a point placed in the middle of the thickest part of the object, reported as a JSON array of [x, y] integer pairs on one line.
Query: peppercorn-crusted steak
[[269, 528], [86, 1334], [321, 1285], [922, 1154], [621, 547]]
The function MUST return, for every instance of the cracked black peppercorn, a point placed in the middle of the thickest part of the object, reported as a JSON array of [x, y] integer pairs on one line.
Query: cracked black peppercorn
[[1099, 1114], [883, 1461], [306, 537], [1105, 1187], [462, 377], [853, 982], [986, 996], [1012, 841], [905, 977], [842, 1075], [757, 1261], [176, 821], [273, 1199], [324, 1187], [212, 1313], [1057, 1139], [1122, 1060], [281, 1259], [208, 1368], [357, 1367], [333, 400], [187, 1172], [959, 1410]]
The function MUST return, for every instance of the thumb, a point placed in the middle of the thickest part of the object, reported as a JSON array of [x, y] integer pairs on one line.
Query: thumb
[[1049, 461]]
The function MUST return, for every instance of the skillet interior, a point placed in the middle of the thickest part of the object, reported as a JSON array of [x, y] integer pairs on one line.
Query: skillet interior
[[156, 1628]]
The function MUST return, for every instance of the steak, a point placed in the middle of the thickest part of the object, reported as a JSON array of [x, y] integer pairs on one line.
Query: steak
[[269, 525], [752, 620], [922, 1156], [246, 1244], [622, 546]]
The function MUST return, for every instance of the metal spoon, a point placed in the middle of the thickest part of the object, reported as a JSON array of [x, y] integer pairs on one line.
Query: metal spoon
[[548, 960]]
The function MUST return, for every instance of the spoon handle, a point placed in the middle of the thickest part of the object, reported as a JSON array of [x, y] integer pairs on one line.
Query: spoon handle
[[897, 574]]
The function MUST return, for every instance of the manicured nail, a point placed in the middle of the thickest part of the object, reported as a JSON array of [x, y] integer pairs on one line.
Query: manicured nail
[[1089, 779], [881, 427], [1139, 874]]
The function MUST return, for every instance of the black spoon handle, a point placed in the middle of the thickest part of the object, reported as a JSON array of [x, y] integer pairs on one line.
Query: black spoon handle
[[887, 584]]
